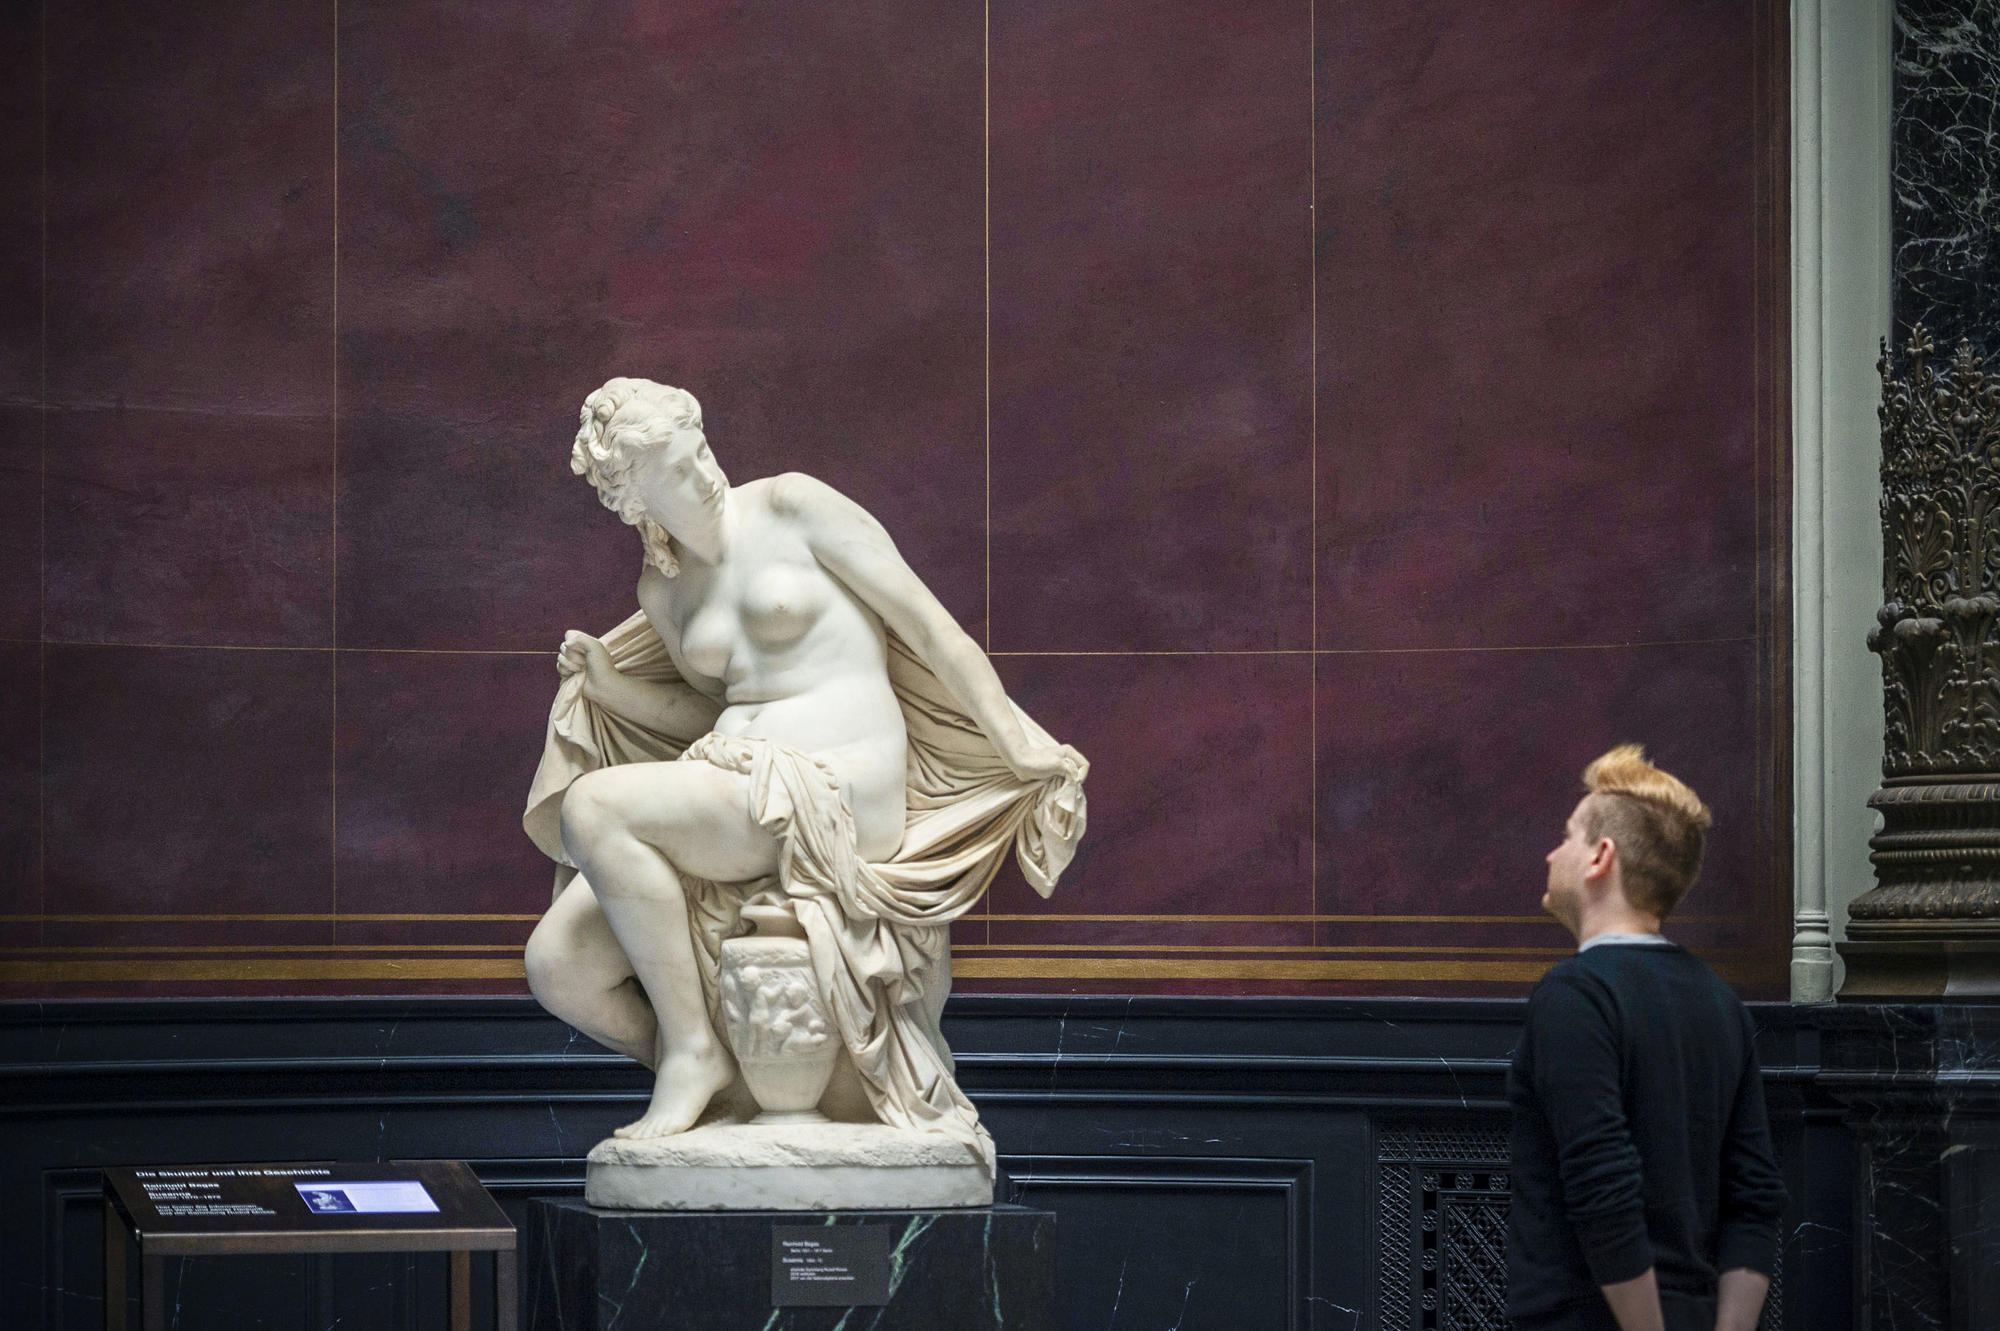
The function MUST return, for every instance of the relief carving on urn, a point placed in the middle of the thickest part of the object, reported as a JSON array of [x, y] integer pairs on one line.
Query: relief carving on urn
[[777, 1024]]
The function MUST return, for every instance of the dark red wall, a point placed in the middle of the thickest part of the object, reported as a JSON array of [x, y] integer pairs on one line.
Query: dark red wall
[[1341, 425]]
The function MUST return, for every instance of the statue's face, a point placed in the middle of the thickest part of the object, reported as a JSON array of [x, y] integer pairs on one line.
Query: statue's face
[[679, 480]]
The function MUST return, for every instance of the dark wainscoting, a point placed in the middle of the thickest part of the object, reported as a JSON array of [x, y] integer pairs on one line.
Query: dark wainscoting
[[1315, 1164]]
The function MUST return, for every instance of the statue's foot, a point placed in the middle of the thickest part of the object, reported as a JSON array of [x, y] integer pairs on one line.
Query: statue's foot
[[682, 1088]]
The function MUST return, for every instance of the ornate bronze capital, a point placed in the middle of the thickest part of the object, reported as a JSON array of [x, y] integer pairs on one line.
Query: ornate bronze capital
[[1934, 916], [1941, 563]]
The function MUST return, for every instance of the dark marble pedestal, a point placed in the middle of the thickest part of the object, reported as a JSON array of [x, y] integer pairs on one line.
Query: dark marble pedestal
[[1922, 1088], [1914, 968], [973, 1269]]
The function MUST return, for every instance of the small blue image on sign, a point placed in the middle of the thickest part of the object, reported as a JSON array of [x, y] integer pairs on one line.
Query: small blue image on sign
[[324, 1201], [373, 1197]]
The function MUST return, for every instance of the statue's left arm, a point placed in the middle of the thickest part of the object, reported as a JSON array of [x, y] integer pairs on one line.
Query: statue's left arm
[[854, 547]]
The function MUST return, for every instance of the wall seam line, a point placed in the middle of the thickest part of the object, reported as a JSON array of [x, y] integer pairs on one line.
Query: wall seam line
[[1312, 454], [333, 615], [42, 521]]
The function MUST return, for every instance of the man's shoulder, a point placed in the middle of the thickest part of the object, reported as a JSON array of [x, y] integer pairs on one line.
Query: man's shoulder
[[1566, 984], [1669, 984], [1613, 961]]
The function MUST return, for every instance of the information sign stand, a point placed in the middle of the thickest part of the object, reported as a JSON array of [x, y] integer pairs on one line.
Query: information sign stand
[[223, 1210]]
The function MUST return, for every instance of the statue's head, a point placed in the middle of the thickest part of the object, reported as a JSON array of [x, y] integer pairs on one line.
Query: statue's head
[[641, 445]]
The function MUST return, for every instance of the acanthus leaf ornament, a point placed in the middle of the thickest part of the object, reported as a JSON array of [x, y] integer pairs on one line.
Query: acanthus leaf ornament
[[1937, 857], [1936, 629]]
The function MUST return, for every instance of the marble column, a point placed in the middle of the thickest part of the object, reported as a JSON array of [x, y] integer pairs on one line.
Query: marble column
[[1920, 1076], [1931, 927], [1841, 77], [1945, 146]]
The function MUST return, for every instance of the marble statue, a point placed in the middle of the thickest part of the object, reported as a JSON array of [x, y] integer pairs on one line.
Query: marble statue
[[768, 794]]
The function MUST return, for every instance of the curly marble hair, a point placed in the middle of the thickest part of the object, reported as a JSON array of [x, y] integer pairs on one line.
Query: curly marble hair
[[619, 422]]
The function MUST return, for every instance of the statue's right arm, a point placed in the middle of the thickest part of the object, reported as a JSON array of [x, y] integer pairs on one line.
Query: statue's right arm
[[664, 707]]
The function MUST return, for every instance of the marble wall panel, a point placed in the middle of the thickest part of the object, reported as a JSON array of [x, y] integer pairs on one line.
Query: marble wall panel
[[1152, 382], [190, 230], [1917, 1081], [777, 207], [1945, 163], [189, 527], [1223, 355], [187, 782], [1536, 349], [21, 204], [20, 523], [1444, 782], [448, 545], [20, 793], [1200, 817], [431, 793]]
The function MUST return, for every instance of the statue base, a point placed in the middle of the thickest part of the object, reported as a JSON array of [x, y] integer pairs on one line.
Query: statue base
[[985, 1269], [821, 1166]]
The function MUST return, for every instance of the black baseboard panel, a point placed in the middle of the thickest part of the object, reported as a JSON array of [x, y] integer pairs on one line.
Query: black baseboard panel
[[1240, 1164]]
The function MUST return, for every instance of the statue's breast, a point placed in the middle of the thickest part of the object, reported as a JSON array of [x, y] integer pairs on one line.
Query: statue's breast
[[708, 641], [761, 610], [700, 633], [781, 602]]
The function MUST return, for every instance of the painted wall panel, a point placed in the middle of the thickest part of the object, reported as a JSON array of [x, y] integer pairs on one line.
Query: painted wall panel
[[1341, 421]]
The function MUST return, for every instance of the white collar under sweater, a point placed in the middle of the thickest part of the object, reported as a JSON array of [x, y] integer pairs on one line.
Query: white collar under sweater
[[1623, 940]]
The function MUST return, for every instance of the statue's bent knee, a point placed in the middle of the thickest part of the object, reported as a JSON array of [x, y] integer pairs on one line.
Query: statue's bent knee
[[588, 813], [545, 962]]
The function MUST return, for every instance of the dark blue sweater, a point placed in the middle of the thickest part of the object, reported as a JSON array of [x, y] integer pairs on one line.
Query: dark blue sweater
[[1639, 1138]]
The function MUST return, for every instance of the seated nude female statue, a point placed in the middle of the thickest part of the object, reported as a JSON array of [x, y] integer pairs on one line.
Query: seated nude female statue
[[780, 604]]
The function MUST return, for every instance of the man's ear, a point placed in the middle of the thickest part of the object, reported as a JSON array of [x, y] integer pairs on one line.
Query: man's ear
[[1602, 856]]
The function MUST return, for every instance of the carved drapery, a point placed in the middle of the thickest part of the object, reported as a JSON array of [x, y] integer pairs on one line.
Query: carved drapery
[[1937, 857]]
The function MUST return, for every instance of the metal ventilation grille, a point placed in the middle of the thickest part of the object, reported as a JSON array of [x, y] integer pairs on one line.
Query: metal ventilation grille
[[1442, 1197], [1442, 1193]]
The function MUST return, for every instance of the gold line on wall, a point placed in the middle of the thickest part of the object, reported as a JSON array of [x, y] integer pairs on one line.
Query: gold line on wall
[[1405, 651], [333, 515], [249, 647], [391, 951], [259, 919], [1163, 968], [1275, 949], [321, 916], [194, 972], [1066, 917], [1047, 917], [1312, 454], [254, 949], [963, 949], [986, 295], [1247, 651], [971, 968], [1146, 968], [42, 497]]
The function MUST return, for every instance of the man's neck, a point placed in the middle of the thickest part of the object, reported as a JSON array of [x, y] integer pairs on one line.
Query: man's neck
[[1620, 920]]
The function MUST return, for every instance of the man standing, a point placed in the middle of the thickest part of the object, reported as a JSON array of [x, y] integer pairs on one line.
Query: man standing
[[1645, 1194]]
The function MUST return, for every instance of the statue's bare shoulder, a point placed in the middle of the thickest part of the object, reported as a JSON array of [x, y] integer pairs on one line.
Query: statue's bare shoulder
[[824, 512]]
